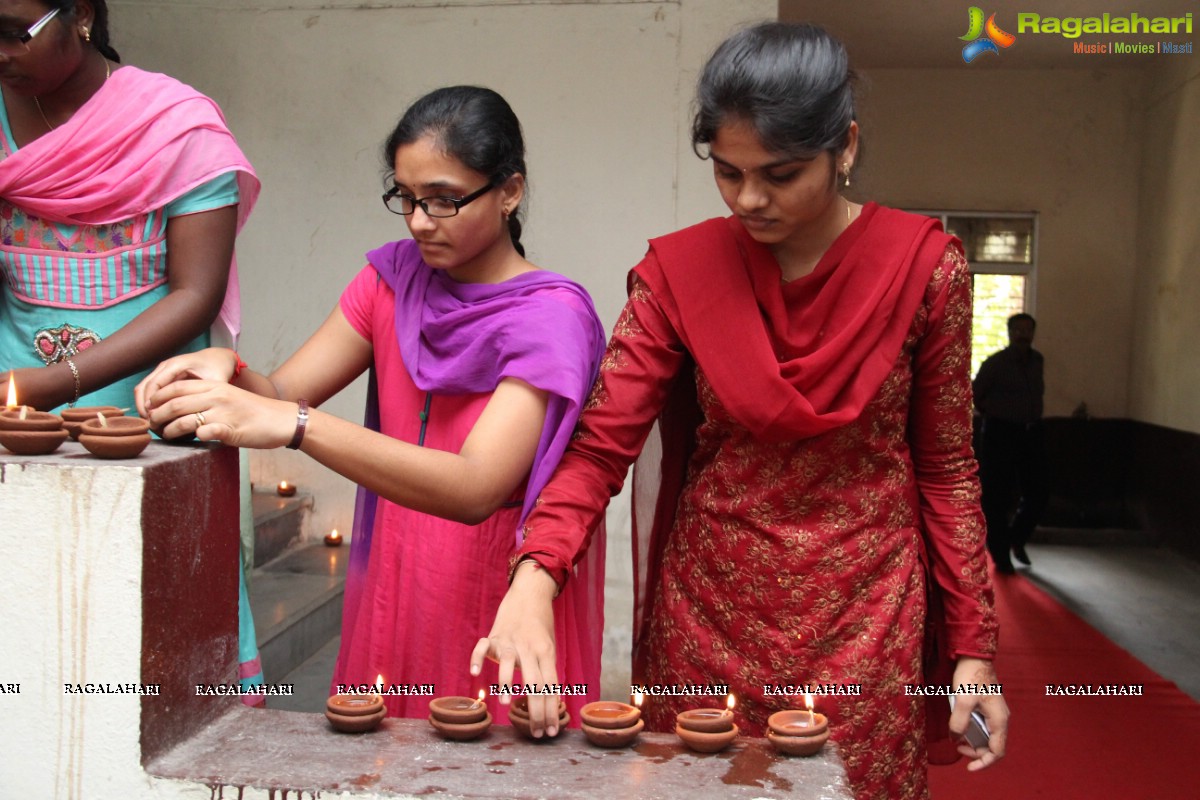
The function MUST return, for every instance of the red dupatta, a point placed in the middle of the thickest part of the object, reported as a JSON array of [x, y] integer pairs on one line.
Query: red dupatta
[[796, 360], [787, 361]]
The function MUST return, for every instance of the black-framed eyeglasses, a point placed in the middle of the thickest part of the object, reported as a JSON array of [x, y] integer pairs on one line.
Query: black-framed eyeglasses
[[13, 43], [433, 206]]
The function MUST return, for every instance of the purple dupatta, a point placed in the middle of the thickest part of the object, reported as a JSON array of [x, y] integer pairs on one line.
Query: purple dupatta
[[458, 338]]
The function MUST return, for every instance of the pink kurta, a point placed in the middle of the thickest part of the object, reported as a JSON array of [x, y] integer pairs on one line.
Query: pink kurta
[[432, 586]]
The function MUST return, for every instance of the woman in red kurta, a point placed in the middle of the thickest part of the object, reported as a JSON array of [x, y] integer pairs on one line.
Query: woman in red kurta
[[808, 362]]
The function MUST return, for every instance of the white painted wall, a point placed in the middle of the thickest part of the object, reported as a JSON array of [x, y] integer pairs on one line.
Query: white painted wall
[[1064, 143], [1165, 361]]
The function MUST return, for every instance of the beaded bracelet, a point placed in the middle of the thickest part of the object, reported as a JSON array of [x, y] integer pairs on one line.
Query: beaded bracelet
[[301, 424]]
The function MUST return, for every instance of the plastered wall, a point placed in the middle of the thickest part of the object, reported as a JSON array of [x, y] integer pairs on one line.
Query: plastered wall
[[1063, 143], [1165, 359]]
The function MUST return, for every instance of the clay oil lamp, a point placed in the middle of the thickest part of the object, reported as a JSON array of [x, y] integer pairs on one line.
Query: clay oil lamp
[[285, 489], [611, 724], [115, 437], [355, 713], [73, 418], [333, 539], [707, 730], [798, 733], [460, 718], [25, 431], [518, 717]]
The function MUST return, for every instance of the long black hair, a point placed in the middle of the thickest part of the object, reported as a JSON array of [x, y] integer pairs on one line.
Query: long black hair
[[472, 124], [790, 81], [99, 29]]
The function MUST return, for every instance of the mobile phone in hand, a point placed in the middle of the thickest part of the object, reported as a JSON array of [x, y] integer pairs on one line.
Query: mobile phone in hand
[[977, 734]]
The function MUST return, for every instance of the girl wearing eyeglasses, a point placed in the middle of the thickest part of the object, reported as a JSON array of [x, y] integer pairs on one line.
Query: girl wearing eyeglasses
[[121, 193], [480, 363]]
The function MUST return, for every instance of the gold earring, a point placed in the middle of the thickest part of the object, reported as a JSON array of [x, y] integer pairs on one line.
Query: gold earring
[[87, 35], [846, 173]]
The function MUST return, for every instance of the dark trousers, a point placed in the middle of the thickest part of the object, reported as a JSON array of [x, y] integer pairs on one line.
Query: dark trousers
[[1012, 474]]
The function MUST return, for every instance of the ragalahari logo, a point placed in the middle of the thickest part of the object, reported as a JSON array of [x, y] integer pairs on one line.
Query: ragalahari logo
[[995, 39]]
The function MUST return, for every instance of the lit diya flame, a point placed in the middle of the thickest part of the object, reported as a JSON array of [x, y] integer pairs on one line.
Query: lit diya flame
[[637, 699], [808, 702], [378, 687], [480, 700], [333, 538], [12, 392], [730, 702]]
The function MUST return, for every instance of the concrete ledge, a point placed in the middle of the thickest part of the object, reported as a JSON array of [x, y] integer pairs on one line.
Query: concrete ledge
[[287, 751], [120, 595]]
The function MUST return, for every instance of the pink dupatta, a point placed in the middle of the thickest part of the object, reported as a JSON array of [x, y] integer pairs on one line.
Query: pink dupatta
[[142, 140]]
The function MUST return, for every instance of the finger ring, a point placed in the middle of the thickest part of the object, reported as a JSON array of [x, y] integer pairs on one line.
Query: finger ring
[[199, 419]]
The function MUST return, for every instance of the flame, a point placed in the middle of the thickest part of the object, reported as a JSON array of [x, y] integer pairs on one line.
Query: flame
[[283, 485], [730, 702], [333, 534], [12, 391], [808, 703], [379, 682], [637, 699], [481, 695]]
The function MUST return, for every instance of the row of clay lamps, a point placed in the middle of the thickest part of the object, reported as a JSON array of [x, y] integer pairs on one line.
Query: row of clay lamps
[[102, 430], [792, 732], [605, 723]]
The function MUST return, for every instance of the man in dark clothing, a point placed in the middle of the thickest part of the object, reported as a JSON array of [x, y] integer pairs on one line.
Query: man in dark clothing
[[1012, 453]]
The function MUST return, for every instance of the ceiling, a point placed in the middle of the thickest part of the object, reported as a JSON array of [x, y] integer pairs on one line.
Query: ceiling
[[925, 34]]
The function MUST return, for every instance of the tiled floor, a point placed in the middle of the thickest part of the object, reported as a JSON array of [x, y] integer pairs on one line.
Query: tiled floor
[[1146, 599]]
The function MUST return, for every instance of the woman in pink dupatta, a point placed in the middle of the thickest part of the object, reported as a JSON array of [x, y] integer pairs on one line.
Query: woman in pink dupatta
[[480, 363], [121, 193]]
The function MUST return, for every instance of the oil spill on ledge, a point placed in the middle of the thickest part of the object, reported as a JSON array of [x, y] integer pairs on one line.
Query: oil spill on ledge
[[751, 766], [657, 753]]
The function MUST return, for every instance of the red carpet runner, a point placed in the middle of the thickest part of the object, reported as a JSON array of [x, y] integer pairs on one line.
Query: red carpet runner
[[1068, 747]]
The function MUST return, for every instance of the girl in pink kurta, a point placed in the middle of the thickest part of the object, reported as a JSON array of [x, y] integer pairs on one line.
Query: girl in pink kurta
[[421, 589], [480, 363]]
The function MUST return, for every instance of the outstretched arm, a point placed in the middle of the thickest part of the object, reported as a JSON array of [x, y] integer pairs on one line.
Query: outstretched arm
[[261, 412], [643, 357]]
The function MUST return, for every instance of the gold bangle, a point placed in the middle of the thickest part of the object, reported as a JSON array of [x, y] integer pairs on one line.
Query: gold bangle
[[75, 375]]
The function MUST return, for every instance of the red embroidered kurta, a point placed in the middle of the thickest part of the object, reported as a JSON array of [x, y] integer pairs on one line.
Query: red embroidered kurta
[[800, 561]]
